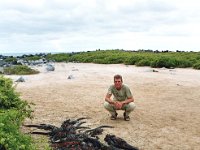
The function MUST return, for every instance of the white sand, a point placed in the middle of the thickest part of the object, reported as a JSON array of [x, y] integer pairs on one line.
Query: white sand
[[168, 102]]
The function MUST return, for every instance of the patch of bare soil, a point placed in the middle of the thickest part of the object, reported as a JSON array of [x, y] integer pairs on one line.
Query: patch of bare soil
[[168, 102]]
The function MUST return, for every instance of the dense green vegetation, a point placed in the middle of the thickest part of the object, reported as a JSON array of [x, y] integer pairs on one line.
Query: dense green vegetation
[[11, 59], [32, 58], [19, 70], [138, 58], [58, 57], [197, 65], [13, 111]]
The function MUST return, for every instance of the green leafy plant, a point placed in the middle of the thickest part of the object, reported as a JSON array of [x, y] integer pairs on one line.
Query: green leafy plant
[[139, 58], [10, 136], [197, 66], [163, 61], [143, 62], [19, 70], [11, 59], [10, 99], [58, 57], [13, 111], [32, 58], [134, 59]]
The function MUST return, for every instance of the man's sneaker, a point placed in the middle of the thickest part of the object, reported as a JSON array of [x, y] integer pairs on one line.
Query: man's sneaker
[[126, 118], [114, 117]]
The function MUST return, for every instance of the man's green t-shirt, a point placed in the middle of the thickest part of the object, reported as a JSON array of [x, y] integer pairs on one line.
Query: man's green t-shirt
[[120, 95]]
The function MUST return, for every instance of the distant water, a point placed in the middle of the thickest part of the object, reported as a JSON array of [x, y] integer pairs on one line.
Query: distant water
[[27, 53]]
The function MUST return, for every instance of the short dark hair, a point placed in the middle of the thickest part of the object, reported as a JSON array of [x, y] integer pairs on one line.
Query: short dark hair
[[117, 76]]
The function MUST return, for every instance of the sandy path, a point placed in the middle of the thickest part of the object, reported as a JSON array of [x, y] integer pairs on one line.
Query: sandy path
[[168, 102]]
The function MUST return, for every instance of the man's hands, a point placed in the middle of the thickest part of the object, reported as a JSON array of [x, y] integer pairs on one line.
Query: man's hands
[[118, 105]]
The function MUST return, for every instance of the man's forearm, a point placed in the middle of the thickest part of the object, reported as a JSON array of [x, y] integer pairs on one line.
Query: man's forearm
[[109, 100], [127, 101]]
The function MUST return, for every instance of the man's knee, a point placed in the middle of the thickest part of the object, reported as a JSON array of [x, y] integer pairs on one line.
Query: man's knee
[[107, 106], [131, 106]]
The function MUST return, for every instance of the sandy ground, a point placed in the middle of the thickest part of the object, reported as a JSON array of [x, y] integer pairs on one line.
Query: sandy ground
[[168, 102]]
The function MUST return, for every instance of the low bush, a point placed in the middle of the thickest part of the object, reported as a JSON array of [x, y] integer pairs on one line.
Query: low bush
[[180, 63], [143, 62], [11, 59], [9, 98], [19, 70], [197, 65], [163, 61], [13, 111], [62, 57], [114, 59], [32, 58], [10, 136], [132, 60], [139, 58]]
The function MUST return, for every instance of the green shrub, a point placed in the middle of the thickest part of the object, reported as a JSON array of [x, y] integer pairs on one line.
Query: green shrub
[[114, 59], [139, 58], [181, 63], [20, 70], [100, 61], [13, 111], [133, 59], [32, 58], [163, 61], [143, 62], [9, 98], [62, 57], [87, 59], [197, 66], [10, 136], [75, 58], [11, 59]]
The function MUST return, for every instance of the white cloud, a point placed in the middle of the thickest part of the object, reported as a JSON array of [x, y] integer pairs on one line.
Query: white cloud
[[76, 25]]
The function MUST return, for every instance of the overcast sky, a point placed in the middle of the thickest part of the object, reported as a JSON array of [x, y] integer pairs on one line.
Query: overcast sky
[[81, 25]]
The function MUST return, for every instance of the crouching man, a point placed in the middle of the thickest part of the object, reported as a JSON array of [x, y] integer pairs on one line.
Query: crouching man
[[122, 100]]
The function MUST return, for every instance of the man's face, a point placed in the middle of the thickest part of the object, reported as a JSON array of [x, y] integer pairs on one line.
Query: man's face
[[118, 83]]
